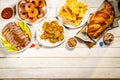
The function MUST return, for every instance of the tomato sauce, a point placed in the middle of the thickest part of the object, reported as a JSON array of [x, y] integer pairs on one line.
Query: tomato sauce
[[7, 13]]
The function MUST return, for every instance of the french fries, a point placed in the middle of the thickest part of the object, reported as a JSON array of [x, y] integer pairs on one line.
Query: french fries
[[73, 11]]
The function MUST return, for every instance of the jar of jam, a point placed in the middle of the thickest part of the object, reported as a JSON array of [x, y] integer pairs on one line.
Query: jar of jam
[[7, 13]]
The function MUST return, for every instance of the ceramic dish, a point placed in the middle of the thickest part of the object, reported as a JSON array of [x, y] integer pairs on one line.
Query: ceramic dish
[[71, 43], [41, 11], [7, 13], [68, 23], [24, 28], [40, 31]]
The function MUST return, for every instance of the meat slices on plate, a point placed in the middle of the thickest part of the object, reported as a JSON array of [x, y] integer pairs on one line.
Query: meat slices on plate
[[15, 36]]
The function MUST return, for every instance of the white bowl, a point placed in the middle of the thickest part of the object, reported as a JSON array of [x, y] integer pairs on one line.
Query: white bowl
[[70, 47], [3, 9], [39, 31], [68, 24], [38, 20]]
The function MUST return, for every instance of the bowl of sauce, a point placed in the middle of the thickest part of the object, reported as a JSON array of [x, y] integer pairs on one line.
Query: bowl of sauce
[[71, 43], [7, 13]]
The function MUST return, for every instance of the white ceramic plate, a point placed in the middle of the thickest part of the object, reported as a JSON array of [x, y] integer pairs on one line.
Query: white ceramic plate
[[68, 24], [38, 20], [39, 31], [1, 37]]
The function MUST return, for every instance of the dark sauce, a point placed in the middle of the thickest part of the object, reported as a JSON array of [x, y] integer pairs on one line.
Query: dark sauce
[[119, 5], [7, 13]]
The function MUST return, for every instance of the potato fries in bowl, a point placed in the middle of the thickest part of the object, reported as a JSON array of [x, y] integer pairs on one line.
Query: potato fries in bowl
[[73, 13]]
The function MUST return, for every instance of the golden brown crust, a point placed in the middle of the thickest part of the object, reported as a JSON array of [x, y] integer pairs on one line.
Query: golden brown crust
[[101, 20]]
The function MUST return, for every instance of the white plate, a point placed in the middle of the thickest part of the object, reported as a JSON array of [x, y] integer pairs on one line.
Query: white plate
[[14, 20], [84, 20], [39, 31], [38, 20]]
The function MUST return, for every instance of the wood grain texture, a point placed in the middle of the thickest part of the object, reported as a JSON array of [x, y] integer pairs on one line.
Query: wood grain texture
[[59, 62], [64, 53], [11, 63], [61, 73]]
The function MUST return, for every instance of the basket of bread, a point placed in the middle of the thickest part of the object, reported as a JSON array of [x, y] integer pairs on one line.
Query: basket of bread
[[99, 23]]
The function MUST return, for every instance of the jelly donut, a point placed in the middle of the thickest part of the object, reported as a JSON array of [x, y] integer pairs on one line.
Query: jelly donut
[[35, 2], [33, 13], [29, 6], [41, 3], [41, 13], [32, 19], [23, 15], [21, 4]]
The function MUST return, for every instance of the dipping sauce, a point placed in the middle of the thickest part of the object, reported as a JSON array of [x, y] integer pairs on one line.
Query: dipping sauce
[[72, 42], [7, 13]]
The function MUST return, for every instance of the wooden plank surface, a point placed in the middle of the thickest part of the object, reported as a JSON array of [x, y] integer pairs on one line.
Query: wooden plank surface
[[61, 73], [59, 62], [62, 52], [11, 63]]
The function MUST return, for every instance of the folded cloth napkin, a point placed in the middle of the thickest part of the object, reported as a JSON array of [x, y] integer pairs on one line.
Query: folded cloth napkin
[[117, 13], [83, 37]]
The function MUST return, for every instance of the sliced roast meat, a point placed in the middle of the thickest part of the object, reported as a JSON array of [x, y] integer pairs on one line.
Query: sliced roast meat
[[24, 36], [15, 36]]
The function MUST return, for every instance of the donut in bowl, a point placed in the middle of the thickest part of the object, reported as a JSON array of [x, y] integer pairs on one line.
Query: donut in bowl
[[35, 2], [41, 3], [21, 4], [28, 0], [31, 10], [32, 19], [41, 13], [33, 13], [23, 15], [29, 6]]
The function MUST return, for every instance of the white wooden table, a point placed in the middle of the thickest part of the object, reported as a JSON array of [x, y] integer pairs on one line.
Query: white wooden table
[[59, 62]]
